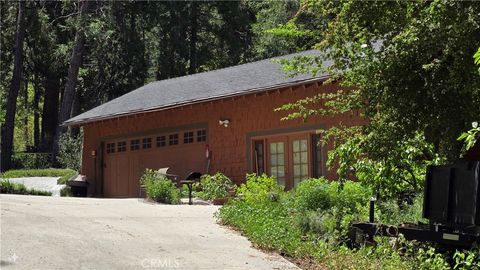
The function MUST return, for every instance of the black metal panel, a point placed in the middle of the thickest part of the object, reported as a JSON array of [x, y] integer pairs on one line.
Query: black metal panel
[[464, 206], [437, 190]]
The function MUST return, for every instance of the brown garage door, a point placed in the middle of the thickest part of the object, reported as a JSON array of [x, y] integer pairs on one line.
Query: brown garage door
[[125, 160]]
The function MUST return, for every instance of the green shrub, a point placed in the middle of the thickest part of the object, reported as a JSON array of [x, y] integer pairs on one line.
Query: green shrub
[[312, 221], [388, 212], [467, 259], [267, 223], [327, 210], [215, 186], [66, 192], [159, 189], [184, 191], [32, 160], [64, 174], [260, 188], [8, 187], [314, 194], [70, 151]]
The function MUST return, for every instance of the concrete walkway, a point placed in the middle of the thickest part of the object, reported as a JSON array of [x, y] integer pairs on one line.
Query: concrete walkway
[[40, 183], [84, 233]]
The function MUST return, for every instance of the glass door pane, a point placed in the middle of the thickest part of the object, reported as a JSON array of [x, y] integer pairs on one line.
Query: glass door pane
[[300, 160], [277, 161]]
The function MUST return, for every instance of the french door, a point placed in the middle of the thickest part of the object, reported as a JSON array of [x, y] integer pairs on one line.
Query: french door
[[288, 159]]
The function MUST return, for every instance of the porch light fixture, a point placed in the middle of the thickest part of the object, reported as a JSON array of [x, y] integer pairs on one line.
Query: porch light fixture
[[224, 122]]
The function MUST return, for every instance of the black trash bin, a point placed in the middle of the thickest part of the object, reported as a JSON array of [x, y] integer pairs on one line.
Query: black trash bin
[[78, 187]]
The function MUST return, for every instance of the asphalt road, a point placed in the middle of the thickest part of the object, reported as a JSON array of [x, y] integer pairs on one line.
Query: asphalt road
[[84, 233]]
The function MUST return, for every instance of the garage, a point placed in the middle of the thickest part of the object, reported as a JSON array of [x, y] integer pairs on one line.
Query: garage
[[125, 159]]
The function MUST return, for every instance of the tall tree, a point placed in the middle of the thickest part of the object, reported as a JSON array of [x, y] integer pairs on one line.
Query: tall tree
[[75, 63], [11, 107], [193, 37], [408, 67]]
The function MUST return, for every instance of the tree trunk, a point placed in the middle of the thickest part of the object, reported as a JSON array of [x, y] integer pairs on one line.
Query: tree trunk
[[193, 37], [11, 107], [50, 110], [36, 114], [69, 91], [26, 135], [76, 111]]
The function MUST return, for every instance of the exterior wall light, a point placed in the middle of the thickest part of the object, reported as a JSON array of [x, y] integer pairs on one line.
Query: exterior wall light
[[224, 122]]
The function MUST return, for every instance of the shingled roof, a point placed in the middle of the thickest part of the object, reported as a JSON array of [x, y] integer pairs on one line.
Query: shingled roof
[[232, 81]]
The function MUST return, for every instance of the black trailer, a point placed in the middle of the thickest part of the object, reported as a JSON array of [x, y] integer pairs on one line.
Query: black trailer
[[451, 204]]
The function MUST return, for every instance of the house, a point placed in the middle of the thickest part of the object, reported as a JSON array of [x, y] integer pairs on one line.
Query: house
[[221, 120]]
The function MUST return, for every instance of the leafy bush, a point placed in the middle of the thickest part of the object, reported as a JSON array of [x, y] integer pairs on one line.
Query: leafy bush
[[265, 222], [327, 210], [389, 212], [184, 191], [70, 151], [215, 186], [467, 259], [314, 194], [259, 188], [64, 174], [312, 220], [32, 160], [17, 188], [66, 192], [159, 189]]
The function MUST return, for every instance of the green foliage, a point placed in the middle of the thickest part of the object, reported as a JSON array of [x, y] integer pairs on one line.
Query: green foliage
[[64, 174], [401, 169], [476, 58], [184, 191], [215, 186], [159, 189], [265, 222], [315, 194], [428, 259], [70, 151], [32, 160], [66, 192], [467, 259], [327, 208], [258, 188], [311, 222], [470, 137], [17, 188], [390, 212], [407, 68]]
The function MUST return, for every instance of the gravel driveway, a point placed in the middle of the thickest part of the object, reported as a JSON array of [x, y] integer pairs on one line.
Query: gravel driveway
[[84, 233]]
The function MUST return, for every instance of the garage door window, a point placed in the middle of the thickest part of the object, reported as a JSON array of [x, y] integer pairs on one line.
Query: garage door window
[[161, 141], [110, 148], [173, 139], [201, 135], [147, 143], [134, 145], [188, 137], [122, 146]]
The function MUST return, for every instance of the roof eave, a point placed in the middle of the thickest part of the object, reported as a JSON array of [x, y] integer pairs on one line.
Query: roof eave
[[191, 102]]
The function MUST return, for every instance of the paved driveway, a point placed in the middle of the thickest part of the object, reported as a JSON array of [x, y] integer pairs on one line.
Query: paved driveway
[[40, 183], [83, 233]]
